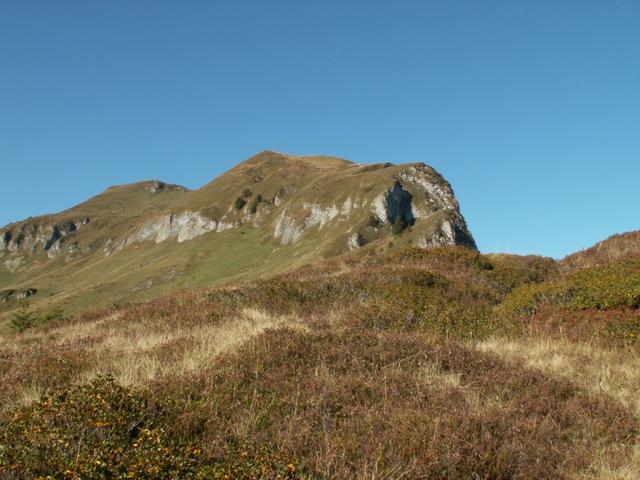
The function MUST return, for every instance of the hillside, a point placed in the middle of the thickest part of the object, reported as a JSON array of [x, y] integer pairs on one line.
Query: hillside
[[415, 363], [271, 213], [613, 248]]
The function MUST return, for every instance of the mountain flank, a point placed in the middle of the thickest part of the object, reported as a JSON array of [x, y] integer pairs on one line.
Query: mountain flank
[[270, 213]]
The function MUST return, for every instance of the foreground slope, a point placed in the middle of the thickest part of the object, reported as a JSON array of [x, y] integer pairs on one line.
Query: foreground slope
[[440, 363], [271, 213]]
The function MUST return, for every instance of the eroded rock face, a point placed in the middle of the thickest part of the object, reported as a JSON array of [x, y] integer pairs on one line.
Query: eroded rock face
[[26, 293], [286, 229], [439, 209], [156, 186], [289, 230], [418, 195], [449, 231], [440, 193], [183, 227], [6, 295], [393, 204], [12, 294], [319, 216], [32, 237], [355, 241]]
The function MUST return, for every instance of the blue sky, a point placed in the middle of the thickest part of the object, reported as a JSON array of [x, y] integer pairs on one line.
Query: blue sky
[[530, 109]]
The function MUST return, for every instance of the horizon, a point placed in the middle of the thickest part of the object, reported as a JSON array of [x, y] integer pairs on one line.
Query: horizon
[[531, 112]]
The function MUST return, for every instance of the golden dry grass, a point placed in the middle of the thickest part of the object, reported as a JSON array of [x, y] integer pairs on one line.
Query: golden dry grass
[[136, 353], [135, 357]]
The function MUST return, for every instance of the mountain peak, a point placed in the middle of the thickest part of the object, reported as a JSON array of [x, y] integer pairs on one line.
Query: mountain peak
[[271, 212], [268, 158]]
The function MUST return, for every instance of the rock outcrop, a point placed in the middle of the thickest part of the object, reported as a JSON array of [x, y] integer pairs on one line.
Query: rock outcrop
[[394, 204], [182, 227], [32, 236], [416, 194], [12, 294], [156, 186]]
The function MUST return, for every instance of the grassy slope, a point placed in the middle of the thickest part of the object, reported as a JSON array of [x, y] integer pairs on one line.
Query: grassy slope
[[147, 270], [411, 364]]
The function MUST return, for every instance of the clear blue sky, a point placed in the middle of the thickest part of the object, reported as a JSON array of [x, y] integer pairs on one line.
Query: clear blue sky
[[531, 109]]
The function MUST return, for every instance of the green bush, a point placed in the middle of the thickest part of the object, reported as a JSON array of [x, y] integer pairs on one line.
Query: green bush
[[602, 288], [100, 430], [616, 285], [22, 320], [240, 202], [256, 201], [56, 313], [527, 299]]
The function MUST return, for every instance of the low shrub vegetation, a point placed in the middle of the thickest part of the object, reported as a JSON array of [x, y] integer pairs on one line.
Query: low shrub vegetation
[[603, 288], [440, 363], [24, 318], [102, 430]]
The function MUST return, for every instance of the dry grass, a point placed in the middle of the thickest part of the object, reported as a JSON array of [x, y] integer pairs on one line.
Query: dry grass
[[134, 353], [137, 359]]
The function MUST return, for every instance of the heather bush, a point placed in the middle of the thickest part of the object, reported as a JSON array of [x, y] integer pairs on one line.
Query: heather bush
[[356, 401], [611, 286]]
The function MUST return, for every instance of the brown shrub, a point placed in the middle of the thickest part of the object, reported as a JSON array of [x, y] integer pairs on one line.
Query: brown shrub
[[358, 402]]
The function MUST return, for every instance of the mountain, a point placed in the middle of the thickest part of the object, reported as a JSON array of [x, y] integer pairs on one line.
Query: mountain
[[270, 213], [315, 337]]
